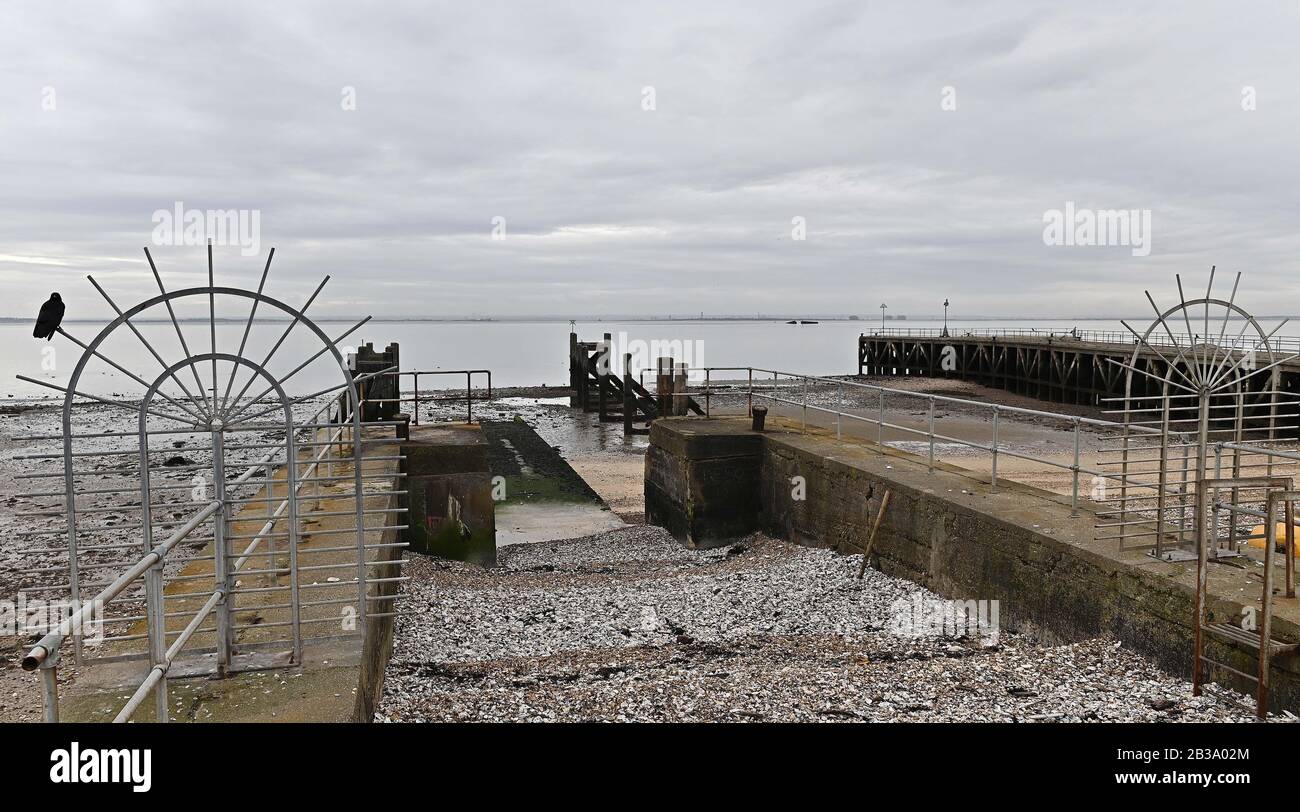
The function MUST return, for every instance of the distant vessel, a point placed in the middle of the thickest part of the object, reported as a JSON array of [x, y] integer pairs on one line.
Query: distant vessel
[[807, 321]]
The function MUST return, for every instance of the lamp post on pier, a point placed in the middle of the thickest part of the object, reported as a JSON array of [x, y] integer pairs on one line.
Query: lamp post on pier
[[945, 317], [883, 307]]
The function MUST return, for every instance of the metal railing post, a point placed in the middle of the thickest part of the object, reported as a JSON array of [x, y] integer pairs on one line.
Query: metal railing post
[[751, 392], [839, 408], [50, 687], [1074, 491], [469, 397], [880, 424], [157, 623], [417, 397], [707, 387], [993, 480], [931, 433], [291, 499], [805, 404], [221, 553]]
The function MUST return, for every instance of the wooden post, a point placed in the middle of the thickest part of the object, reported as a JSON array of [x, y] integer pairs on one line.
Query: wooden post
[[603, 357], [629, 402], [574, 384], [664, 385], [679, 388], [871, 539], [583, 377]]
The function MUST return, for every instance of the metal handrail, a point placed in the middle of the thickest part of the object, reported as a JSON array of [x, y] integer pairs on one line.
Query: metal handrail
[[415, 397], [52, 640], [1276, 343], [44, 654], [756, 389]]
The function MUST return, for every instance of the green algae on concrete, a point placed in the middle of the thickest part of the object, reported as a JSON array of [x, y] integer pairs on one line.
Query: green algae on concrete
[[532, 470]]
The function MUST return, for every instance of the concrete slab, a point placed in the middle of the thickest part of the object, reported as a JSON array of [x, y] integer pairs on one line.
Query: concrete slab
[[548, 521]]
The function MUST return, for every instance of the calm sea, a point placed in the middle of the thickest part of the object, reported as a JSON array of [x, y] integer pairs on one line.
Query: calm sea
[[519, 353]]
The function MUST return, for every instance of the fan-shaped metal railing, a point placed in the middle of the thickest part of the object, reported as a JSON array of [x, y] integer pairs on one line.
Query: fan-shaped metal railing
[[219, 566], [1199, 403]]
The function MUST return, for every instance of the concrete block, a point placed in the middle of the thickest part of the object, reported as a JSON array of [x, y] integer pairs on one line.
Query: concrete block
[[451, 510], [702, 499]]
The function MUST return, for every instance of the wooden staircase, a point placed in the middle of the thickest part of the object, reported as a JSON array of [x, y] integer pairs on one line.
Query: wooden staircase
[[616, 398]]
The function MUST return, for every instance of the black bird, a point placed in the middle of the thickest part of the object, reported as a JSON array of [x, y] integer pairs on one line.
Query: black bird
[[48, 321]]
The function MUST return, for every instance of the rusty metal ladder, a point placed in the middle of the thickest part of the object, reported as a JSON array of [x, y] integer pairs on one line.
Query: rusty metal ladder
[[1278, 490]]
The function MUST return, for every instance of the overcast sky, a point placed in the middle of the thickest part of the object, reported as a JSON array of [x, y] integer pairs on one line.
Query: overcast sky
[[536, 113]]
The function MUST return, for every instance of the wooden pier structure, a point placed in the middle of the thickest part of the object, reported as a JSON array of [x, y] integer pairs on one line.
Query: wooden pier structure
[[1074, 369], [621, 398]]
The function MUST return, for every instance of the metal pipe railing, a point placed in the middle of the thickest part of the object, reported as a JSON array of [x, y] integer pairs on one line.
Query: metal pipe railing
[[415, 398], [1275, 343], [800, 382], [73, 622], [44, 654]]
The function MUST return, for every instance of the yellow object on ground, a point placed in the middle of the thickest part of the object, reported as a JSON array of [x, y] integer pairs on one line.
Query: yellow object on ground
[[1279, 536]]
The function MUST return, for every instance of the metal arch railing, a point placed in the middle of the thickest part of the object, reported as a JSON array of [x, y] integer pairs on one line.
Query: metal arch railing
[[44, 654], [207, 412]]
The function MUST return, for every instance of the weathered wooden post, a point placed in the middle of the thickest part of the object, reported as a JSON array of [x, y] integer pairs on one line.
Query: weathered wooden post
[[679, 388], [664, 385], [629, 402], [383, 392], [583, 376], [575, 380], [603, 356]]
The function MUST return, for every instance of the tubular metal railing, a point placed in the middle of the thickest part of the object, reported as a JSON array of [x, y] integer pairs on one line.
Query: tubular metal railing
[[215, 414], [1275, 343], [416, 399], [338, 434], [783, 382]]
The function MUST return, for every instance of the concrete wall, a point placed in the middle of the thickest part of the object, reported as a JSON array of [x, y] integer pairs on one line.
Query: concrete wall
[[449, 493], [377, 635], [952, 533], [703, 486]]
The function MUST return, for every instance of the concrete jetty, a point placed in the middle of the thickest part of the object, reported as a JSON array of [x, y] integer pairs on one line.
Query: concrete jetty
[[710, 481]]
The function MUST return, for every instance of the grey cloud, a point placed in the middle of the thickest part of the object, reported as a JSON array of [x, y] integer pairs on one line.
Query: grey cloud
[[764, 112]]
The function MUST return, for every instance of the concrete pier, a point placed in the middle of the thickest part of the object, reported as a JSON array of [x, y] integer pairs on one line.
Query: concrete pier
[[709, 480]]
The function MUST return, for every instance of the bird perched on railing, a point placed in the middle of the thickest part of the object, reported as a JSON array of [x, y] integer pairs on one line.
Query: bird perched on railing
[[51, 315], [47, 322]]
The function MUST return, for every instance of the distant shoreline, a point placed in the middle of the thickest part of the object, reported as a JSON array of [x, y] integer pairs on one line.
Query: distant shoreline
[[620, 319]]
